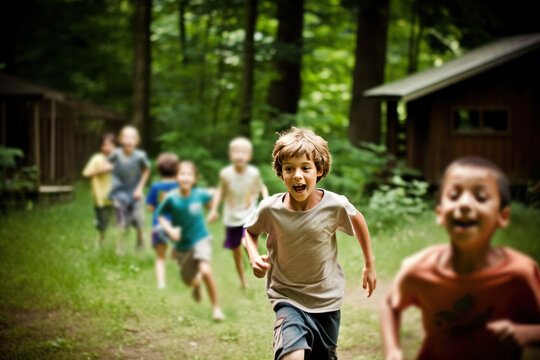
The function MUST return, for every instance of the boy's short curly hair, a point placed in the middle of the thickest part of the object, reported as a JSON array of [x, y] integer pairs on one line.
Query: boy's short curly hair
[[167, 164], [479, 162], [297, 142]]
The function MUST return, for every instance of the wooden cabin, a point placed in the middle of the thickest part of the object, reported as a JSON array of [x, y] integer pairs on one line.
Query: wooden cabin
[[484, 103], [57, 133]]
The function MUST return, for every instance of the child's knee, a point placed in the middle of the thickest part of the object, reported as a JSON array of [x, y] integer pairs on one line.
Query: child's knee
[[205, 269]]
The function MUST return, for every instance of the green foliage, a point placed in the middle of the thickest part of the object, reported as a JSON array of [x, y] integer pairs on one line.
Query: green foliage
[[399, 200], [13, 177]]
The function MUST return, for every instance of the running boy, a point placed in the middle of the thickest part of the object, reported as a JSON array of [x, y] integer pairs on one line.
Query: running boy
[[477, 301], [98, 169], [167, 166], [131, 169], [240, 186], [187, 229], [305, 282]]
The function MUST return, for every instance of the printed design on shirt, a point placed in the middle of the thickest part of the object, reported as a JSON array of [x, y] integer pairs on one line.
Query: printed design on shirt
[[460, 320], [195, 208]]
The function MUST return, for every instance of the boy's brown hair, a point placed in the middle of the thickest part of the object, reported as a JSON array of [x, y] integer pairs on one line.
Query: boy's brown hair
[[478, 162], [297, 142], [167, 164], [107, 137]]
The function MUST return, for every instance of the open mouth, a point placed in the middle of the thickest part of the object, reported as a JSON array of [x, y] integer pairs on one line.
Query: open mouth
[[299, 188], [464, 224]]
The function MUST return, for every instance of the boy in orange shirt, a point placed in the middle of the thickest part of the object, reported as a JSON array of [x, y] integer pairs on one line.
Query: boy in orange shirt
[[477, 301]]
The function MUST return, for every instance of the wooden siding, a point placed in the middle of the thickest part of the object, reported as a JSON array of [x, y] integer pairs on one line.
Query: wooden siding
[[515, 87]]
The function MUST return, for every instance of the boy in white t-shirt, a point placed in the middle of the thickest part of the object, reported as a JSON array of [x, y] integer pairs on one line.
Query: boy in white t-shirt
[[305, 282], [240, 186]]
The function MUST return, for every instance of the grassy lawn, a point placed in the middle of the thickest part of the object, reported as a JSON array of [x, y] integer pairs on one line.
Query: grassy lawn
[[61, 298]]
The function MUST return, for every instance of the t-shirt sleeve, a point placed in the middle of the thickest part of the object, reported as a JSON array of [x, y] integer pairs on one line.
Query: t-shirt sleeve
[[530, 299], [143, 160], [346, 210], [90, 166], [113, 157], [401, 293], [205, 196], [151, 199], [255, 222], [164, 207]]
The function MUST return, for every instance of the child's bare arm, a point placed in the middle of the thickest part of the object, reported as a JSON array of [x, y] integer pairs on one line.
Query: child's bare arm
[[138, 193], [103, 169], [369, 276], [512, 333], [173, 232], [264, 191], [213, 215], [150, 208], [259, 263], [390, 323]]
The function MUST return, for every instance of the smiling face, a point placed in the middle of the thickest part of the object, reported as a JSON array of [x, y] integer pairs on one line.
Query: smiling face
[[107, 147], [129, 138], [300, 176], [240, 156], [186, 176], [470, 206]]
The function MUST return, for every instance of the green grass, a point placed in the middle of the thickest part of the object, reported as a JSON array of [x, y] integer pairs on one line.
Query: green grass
[[61, 298]]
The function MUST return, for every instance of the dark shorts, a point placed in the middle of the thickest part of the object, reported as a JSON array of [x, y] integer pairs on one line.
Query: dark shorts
[[233, 236], [103, 215], [159, 236], [317, 333]]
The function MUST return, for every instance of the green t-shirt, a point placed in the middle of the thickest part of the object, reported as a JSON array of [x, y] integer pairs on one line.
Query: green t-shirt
[[187, 213]]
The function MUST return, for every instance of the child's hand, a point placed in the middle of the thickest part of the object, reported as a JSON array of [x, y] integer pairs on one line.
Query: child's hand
[[212, 216], [508, 333], [175, 234], [138, 194], [106, 167], [396, 354], [260, 266], [369, 278]]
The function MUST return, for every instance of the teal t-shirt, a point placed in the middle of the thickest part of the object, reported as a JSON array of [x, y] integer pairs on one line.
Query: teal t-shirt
[[187, 213]]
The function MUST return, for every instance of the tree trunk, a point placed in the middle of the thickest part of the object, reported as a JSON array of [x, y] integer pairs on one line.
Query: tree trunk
[[182, 29], [284, 91], [141, 76], [365, 115], [246, 92]]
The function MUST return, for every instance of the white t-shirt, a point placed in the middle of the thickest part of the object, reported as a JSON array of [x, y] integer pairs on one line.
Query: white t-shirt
[[241, 194], [302, 249]]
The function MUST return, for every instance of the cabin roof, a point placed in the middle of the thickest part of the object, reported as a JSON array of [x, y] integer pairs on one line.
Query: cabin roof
[[472, 63], [12, 86]]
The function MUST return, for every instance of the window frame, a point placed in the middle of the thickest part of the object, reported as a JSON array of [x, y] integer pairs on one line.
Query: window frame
[[481, 132]]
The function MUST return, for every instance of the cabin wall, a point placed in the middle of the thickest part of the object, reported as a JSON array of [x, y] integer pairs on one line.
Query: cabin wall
[[514, 87], [76, 137]]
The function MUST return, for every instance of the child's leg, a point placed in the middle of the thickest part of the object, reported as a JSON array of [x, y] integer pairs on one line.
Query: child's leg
[[237, 254], [120, 241], [161, 253], [206, 272], [295, 355], [139, 245]]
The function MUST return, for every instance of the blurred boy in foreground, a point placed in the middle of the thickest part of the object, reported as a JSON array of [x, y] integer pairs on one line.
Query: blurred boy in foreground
[[477, 301]]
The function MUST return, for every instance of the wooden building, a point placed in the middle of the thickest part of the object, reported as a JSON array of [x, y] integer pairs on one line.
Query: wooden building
[[57, 132], [484, 103]]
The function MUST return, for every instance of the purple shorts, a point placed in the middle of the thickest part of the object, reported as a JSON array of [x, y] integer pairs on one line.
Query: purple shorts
[[233, 237]]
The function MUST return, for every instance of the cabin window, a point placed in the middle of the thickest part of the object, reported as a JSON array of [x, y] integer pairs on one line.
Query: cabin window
[[467, 121]]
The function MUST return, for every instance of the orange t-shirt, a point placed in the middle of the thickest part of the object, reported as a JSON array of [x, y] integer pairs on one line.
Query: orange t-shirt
[[456, 308]]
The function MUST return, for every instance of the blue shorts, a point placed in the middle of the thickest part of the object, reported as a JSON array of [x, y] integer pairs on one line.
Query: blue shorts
[[159, 236], [317, 333]]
